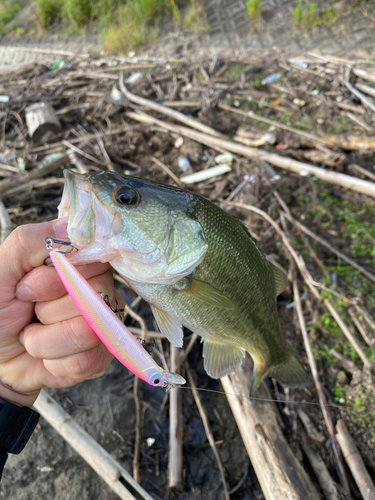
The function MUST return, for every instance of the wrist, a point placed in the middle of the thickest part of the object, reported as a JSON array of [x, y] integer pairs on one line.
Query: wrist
[[18, 398]]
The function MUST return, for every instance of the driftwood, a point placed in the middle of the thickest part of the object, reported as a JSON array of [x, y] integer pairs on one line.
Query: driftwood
[[355, 462], [103, 464], [165, 110], [324, 477], [319, 388], [350, 142], [207, 429], [343, 180], [279, 472]]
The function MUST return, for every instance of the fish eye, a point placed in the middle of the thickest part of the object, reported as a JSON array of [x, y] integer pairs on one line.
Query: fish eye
[[125, 195]]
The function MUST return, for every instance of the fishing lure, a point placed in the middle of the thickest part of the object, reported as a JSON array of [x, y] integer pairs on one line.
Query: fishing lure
[[107, 326]]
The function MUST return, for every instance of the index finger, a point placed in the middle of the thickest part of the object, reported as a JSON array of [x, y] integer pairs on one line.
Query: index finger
[[25, 249]]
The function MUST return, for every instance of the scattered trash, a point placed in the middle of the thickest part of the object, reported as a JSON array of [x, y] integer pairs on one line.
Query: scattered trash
[[40, 119], [301, 64], [203, 175], [184, 164], [224, 158], [299, 102], [58, 64], [150, 441], [134, 77], [275, 77], [8, 156], [275, 178], [179, 142], [291, 305]]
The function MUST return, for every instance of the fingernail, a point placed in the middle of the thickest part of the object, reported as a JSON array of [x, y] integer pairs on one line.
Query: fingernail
[[24, 293], [61, 228]]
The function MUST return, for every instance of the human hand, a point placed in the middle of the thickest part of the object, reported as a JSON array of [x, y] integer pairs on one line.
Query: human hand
[[62, 349]]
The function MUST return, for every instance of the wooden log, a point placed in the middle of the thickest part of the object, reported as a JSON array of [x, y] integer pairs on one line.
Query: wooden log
[[103, 464], [279, 471], [355, 462]]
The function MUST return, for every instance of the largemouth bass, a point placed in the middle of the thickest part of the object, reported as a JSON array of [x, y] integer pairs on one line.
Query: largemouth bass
[[196, 265]]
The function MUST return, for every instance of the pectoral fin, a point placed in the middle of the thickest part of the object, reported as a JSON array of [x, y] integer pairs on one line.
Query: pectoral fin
[[170, 327], [221, 359], [281, 281], [203, 291]]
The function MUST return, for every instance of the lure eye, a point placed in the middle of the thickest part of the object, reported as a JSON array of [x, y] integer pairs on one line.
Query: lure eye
[[156, 381], [125, 195]]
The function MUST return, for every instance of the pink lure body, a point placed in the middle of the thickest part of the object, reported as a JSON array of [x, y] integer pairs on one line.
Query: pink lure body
[[108, 327]]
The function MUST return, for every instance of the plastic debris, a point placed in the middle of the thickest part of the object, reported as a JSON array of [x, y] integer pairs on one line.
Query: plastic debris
[[58, 64], [8, 156], [150, 441], [178, 142], [224, 158], [134, 77], [301, 64], [299, 102], [184, 164], [4, 98], [203, 175], [275, 77], [40, 119]]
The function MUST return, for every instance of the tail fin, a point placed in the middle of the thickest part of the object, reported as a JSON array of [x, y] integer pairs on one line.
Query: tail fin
[[289, 373]]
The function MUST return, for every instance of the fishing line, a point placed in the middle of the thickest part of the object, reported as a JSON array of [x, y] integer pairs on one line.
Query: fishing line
[[269, 400]]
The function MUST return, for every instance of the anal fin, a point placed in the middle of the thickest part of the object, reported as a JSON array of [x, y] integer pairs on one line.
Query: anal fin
[[221, 359], [170, 327]]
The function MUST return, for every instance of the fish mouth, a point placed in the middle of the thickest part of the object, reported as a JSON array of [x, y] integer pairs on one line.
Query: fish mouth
[[76, 204]]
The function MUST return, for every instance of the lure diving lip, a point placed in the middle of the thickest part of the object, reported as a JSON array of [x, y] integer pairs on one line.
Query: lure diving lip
[[107, 326]]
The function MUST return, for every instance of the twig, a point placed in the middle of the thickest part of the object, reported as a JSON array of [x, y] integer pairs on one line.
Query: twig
[[355, 462], [358, 94], [312, 432], [137, 431], [319, 467], [175, 428], [82, 153], [167, 170], [348, 364], [363, 171], [176, 115], [346, 181], [208, 431], [189, 347], [369, 340], [319, 389], [101, 461], [358, 349], [6, 225], [359, 122], [253, 116], [320, 240]]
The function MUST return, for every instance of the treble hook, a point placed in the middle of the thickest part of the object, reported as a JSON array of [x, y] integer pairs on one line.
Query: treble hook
[[49, 241]]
